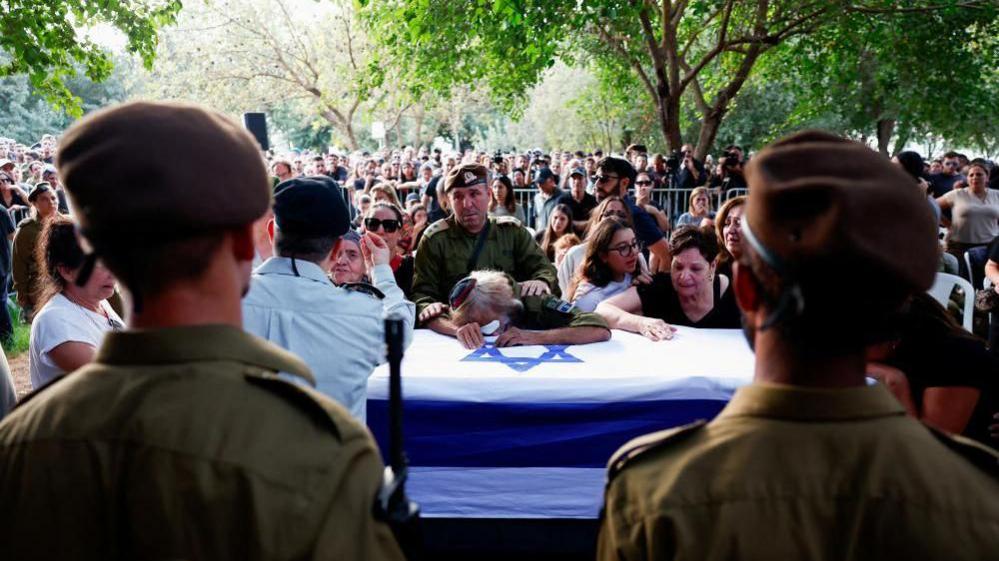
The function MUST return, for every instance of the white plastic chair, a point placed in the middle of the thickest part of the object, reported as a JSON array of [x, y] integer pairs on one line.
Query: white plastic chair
[[942, 288]]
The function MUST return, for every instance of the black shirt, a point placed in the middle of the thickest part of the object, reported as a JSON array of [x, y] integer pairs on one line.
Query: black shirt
[[6, 229], [660, 300], [949, 361], [941, 183], [994, 250], [580, 209]]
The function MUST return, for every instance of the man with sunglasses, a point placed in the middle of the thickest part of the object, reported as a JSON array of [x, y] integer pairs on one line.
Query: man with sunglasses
[[944, 182], [293, 303], [614, 178]]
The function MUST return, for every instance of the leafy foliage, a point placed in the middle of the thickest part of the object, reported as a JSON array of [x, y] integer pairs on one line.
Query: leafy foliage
[[44, 40]]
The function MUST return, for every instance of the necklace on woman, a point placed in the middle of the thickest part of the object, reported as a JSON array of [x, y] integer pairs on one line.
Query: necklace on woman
[[113, 324]]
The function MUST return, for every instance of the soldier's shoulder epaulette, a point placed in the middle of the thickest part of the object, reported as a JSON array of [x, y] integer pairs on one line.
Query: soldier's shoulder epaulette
[[34, 393], [978, 454], [647, 443], [436, 227], [507, 221], [303, 399]]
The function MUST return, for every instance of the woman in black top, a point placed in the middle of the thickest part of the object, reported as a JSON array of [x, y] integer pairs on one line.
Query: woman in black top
[[942, 374], [691, 295]]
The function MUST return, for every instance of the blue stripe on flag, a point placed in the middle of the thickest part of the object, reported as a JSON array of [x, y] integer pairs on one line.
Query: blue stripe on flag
[[463, 434]]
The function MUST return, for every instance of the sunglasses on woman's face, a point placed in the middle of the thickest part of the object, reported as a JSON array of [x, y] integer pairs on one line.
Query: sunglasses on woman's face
[[389, 224], [643, 182], [615, 214]]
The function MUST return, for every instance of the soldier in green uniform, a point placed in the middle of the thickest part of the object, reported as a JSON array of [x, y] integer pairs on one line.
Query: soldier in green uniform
[[469, 240], [180, 441], [810, 462], [485, 303]]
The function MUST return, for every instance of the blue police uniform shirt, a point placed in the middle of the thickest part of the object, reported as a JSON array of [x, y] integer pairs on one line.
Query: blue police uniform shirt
[[339, 334]]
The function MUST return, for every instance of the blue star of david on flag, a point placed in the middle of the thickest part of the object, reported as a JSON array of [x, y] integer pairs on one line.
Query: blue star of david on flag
[[492, 353]]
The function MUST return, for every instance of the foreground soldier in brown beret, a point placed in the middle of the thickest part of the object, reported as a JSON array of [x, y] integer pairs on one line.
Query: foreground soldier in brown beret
[[179, 441], [809, 462]]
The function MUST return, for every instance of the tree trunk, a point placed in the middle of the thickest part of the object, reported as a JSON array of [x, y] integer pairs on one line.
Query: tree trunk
[[668, 115], [707, 135], [348, 129], [886, 127], [418, 129]]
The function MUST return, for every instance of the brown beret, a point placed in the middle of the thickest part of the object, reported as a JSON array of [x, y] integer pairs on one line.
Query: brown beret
[[147, 171], [833, 210], [465, 175]]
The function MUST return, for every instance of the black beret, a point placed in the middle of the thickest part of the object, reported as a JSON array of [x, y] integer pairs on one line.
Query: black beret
[[311, 206]]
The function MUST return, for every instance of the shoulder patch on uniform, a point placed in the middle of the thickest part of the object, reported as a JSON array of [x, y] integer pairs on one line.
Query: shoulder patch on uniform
[[436, 227], [299, 397], [646, 443], [559, 305], [978, 454], [507, 221]]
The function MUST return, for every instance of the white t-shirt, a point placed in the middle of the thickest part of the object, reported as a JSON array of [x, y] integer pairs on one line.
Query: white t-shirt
[[588, 296], [58, 322], [972, 219]]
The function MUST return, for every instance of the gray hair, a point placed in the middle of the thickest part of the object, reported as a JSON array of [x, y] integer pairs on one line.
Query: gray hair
[[492, 293]]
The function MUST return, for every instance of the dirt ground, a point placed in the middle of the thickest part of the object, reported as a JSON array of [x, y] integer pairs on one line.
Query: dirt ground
[[19, 371]]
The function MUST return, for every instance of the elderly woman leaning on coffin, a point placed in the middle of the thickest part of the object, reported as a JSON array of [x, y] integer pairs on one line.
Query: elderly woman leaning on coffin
[[485, 304], [691, 294]]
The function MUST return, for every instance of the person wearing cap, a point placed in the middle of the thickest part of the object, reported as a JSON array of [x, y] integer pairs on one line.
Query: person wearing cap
[[180, 440], [24, 267], [579, 200], [547, 198], [614, 178], [293, 304], [469, 240], [809, 461], [489, 303]]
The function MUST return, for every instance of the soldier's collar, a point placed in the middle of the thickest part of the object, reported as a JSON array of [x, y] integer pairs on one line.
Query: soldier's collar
[[812, 404], [282, 266], [198, 343]]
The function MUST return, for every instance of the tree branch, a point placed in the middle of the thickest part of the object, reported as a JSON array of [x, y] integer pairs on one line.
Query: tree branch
[[614, 44]]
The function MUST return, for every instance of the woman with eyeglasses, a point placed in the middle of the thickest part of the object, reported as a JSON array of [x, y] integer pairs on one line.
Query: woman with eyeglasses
[[386, 220], [72, 320], [502, 201], [699, 211], [571, 264], [610, 265], [559, 224], [728, 224], [692, 294]]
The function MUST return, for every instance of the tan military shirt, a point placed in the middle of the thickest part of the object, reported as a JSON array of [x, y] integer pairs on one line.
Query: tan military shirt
[[794, 473], [182, 444]]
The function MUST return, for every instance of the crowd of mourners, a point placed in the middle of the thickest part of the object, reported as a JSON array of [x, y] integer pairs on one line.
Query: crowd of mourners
[[591, 238], [505, 248]]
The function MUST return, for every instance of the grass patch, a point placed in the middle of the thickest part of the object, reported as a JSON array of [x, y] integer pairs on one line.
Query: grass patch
[[22, 334]]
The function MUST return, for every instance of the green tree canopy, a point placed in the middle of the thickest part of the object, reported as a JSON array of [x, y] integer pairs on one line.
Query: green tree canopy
[[46, 39]]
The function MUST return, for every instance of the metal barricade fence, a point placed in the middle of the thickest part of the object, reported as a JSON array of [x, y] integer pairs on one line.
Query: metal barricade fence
[[525, 198]]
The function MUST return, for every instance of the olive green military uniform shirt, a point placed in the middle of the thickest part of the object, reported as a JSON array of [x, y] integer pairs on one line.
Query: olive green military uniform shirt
[[793, 473], [183, 444], [23, 265], [550, 312], [442, 258]]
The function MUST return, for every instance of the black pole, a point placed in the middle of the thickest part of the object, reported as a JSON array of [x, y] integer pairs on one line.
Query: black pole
[[394, 343]]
